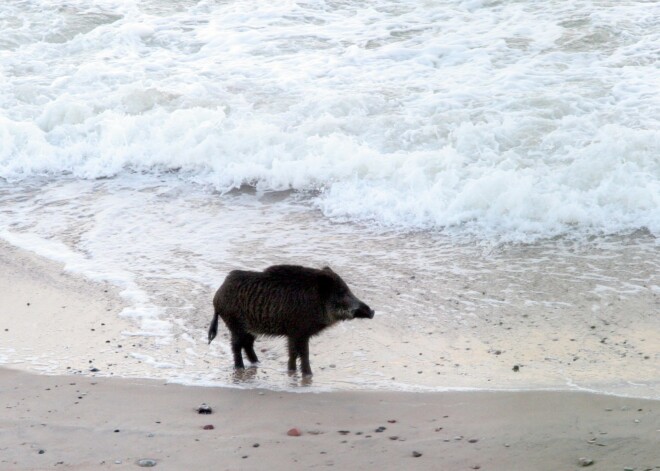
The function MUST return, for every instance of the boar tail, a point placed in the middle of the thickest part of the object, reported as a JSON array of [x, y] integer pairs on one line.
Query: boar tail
[[213, 328]]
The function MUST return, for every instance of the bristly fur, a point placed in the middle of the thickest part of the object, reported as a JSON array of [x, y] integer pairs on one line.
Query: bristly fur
[[283, 300]]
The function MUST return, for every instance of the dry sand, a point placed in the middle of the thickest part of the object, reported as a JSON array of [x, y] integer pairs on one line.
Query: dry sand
[[85, 421]]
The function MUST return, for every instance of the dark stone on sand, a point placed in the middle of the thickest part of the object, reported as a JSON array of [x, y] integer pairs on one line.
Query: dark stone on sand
[[473, 440], [94, 370], [380, 429], [416, 454], [41, 452], [208, 427], [344, 432], [256, 445], [516, 368], [116, 430], [391, 421], [204, 409]]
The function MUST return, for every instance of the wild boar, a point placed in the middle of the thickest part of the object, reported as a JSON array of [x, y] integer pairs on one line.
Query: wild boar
[[283, 300]]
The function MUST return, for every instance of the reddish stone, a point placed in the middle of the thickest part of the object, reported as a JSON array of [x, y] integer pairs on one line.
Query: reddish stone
[[294, 432]]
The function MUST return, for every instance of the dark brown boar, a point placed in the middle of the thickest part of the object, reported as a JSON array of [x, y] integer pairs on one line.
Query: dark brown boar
[[284, 300]]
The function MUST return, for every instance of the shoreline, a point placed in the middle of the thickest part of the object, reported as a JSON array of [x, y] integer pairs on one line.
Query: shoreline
[[80, 422], [58, 322], [103, 419]]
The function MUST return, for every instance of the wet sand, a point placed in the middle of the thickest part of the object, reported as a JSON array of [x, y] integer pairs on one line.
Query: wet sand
[[580, 318], [68, 422]]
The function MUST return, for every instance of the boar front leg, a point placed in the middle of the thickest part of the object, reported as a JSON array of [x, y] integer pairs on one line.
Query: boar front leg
[[302, 345]]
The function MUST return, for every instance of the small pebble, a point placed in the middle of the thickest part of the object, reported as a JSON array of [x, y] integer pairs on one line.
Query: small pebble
[[146, 463], [516, 368], [256, 445], [585, 462], [380, 429], [391, 421], [204, 409], [117, 461], [294, 432], [416, 454], [208, 427], [344, 432], [473, 440], [41, 452]]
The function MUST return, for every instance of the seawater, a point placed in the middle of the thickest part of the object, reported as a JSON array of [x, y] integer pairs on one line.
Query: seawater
[[486, 174]]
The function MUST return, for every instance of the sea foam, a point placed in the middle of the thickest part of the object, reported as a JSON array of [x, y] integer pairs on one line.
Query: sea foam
[[514, 121]]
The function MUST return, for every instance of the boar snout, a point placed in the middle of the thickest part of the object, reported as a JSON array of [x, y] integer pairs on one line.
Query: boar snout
[[364, 311]]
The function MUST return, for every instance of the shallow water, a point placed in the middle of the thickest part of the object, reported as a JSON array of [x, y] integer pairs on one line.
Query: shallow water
[[450, 314]]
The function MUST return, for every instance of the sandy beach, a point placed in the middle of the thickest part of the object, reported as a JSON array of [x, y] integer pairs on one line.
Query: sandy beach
[[75, 422], [91, 420]]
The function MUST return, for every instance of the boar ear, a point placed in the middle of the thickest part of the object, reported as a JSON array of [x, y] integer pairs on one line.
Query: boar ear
[[328, 269], [326, 285]]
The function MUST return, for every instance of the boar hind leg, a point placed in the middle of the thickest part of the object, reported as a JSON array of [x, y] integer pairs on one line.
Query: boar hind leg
[[241, 340], [248, 345], [293, 355], [236, 347]]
